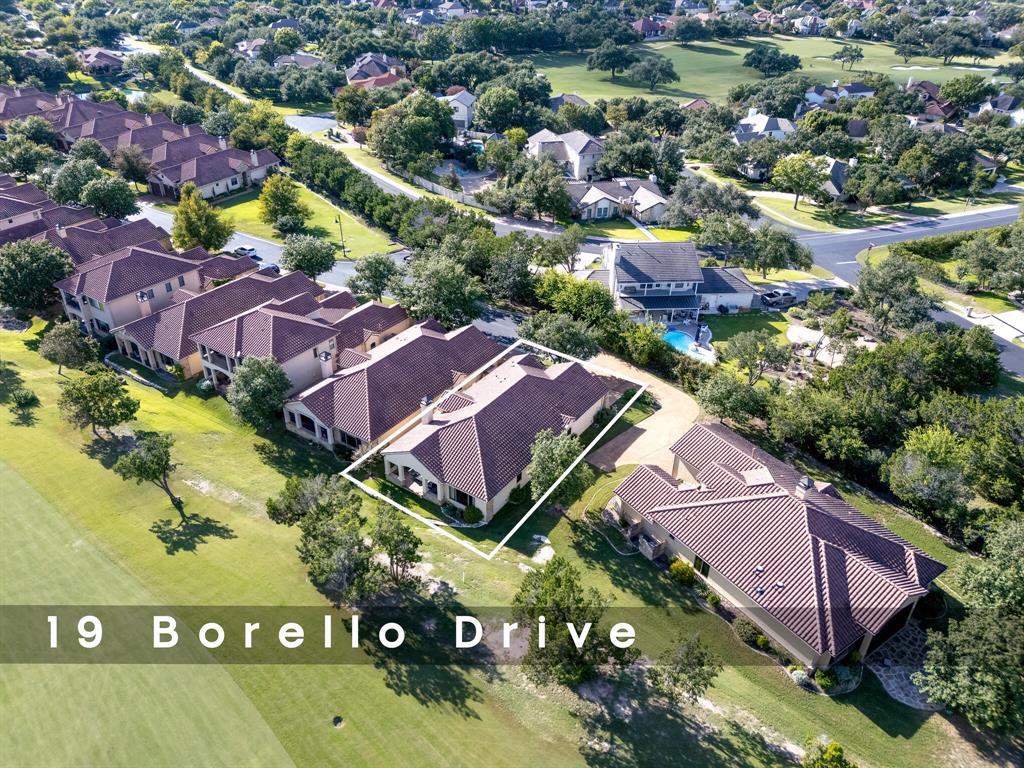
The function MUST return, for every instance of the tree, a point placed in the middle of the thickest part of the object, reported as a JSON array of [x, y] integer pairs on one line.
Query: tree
[[609, 57], [353, 105], [695, 198], [197, 223], [416, 126], [374, 274], [131, 163], [686, 671], [551, 456], [98, 400], [28, 270], [967, 89], [22, 157], [508, 278], [728, 231], [69, 181], [689, 30], [500, 108], [774, 248], [89, 149], [928, 472], [257, 391], [771, 62], [288, 40], [889, 292], [439, 287], [336, 552], [563, 250], [280, 196], [586, 300], [150, 461], [875, 184], [65, 344], [654, 70], [756, 352], [499, 154], [556, 592], [36, 129], [800, 174], [826, 756], [185, 113], [302, 497], [561, 332], [308, 254], [110, 196], [397, 541], [849, 54]]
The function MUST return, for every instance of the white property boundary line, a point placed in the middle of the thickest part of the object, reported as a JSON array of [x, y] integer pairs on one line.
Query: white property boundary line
[[445, 530]]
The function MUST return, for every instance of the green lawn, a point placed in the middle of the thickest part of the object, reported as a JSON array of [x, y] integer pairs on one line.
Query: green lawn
[[360, 238], [671, 235], [710, 69], [957, 202], [74, 531], [810, 216], [616, 229], [778, 276], [724, 327]]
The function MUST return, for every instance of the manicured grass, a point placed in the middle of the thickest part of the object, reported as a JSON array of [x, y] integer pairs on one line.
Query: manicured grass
[[710, 69], [615, 229], [811, 216], [777, 276], [957, 202], [671, 235], [312, 108], [724, 327], [393, 716]]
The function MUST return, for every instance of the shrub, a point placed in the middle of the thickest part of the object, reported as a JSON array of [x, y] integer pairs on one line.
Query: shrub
[[813, 323], [853, 658], [692, 373], [681, 572], [472, 515], [826, 678], [746, 631], [763, 643], [289, 224], [24, 399], [800, 678], [713, 599]]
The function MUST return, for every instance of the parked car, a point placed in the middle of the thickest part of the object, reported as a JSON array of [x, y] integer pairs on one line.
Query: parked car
[[246, 251], [778, 298]]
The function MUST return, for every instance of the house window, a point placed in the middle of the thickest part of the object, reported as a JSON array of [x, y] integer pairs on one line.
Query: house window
[[700, 566], [167, 288], [461, 497], [323, 433], [181, 281], [291, 417], [150, 293], [307, 423]]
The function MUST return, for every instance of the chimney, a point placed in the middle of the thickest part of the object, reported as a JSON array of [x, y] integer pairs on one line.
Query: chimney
[[223, 144], [61, 232], [252, 158], [144, 307], [186, 130], [428, 410], [326, 364], [148, 119], [803, 485]]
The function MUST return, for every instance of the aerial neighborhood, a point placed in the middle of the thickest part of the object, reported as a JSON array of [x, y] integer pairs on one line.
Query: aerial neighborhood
[[699, 325]]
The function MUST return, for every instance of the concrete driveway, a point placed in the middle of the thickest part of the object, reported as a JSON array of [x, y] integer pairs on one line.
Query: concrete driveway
[[649, 441]]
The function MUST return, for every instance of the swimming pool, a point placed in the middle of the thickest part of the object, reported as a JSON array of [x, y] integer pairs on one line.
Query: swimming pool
[[681, 341]]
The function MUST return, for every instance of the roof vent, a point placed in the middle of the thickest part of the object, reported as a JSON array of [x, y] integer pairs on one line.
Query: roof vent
[[758, 590], [425, 401], [780, 584], [803, 485], [758, 569]]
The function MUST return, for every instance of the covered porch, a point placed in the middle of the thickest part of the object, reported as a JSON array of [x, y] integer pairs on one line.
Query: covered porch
[[666, 308]]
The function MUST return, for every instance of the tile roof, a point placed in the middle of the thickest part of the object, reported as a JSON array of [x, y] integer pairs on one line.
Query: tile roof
[[357, 326], [267, 331], [383, 387], [797, 550], [725, 280], [124, 272], [169, 331], [84, 244], [215, 166], [482, 441]]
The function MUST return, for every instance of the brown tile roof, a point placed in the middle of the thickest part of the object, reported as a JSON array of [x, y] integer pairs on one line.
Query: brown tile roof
[[170, 330], [207, 168], [824, 570], [63, 216], [371, 318], [178, 150], [84, 244], [150, 136], [388, 384], [267, 331], [13, 107], [483, 439], [107, 126], [71, 112], [223, 268], [124, 272]]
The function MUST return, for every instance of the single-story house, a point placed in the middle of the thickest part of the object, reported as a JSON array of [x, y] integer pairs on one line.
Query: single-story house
[[474, 448], [760, 126], [640, 198], [100, 61], [302, 61], [818, 577]]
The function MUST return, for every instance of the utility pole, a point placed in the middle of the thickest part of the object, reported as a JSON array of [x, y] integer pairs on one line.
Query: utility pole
[[341, 233]]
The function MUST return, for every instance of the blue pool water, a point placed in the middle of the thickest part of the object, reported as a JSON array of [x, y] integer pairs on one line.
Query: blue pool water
[[680, 340]]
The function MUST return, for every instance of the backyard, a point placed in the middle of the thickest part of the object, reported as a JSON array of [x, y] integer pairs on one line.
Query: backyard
[[118, 542], [710, 69]]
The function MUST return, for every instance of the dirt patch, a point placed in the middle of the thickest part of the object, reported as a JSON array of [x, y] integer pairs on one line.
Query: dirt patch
[[227, 495]]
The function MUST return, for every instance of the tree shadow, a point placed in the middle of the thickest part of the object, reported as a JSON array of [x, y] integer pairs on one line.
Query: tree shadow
[[631, 726], [108, 450], [23, 417], [186, 534], [893, 718], [10, 380], [709, 50], [998, 749], [33, 343], [282, 451]]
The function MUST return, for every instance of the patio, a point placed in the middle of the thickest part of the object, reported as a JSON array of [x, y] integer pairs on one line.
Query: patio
[[895, 661]]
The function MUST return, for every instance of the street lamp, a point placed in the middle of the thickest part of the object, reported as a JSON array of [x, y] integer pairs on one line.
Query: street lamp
[[341, 233]]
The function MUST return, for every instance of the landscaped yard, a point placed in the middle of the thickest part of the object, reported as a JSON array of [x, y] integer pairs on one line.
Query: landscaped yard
[[957, 202], [77, 532], [360, 238], [710, 69], [810, 216], [671, 235], [616, 229], [786, 275], [724, 327]]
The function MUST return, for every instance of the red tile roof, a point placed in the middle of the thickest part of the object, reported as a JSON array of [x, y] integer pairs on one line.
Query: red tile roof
[[813, 562], [124, 272], [385, 386], [267, 331], [483, 439], [371, 318], [85, 244]]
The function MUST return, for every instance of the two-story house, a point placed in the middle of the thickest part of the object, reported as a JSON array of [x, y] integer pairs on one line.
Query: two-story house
[[461, 103], [578, 152]]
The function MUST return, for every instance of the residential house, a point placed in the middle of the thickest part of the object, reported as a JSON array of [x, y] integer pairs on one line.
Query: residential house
[[825, 94], [576, 150], [375, 390], [640, 198], [88, 241], [100, 62], [649, 27], [664, 282], [250, 49], [449, 9], [838, 172], [473, 449], [423, 18], [818, 577], [691, 7], [461, 103], [216, 173], [555, 103], [114, 289], [381, 81], [284, 24], [17, 102], [757, 126], [1003, 104], [286, 330], [302, 61], [370, 65], [696, 105], [164, 338]]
